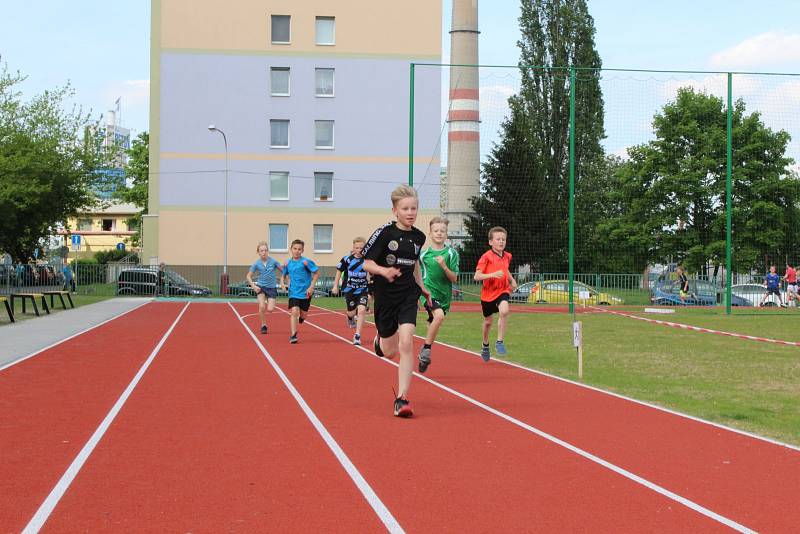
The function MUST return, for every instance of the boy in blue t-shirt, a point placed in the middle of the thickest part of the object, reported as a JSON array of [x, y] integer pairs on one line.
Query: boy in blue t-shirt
[[773, 284], [266, 284], [302, 274]]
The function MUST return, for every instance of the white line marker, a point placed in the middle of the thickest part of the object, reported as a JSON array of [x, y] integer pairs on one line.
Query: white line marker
[[392, 525], [44, 511]]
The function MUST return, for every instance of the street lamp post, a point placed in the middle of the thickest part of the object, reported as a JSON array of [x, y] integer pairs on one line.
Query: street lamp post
[[223, 283]]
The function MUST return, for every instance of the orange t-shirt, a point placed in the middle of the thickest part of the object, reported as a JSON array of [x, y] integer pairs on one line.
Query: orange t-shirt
[[791, 275], [492, 262]]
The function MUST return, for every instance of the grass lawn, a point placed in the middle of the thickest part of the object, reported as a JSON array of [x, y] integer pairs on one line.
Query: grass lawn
[[744, 384], [79, 300]]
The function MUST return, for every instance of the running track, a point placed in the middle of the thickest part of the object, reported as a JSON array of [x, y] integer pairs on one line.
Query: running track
[[179, 418]]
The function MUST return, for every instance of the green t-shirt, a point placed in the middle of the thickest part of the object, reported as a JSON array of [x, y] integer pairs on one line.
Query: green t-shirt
[[433, 276]]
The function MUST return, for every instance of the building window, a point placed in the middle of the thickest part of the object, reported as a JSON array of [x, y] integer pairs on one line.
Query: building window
[[323, 186], [279, 237], [109, 225], [323, 238], [280, 29], [84, 225], [279, 81], [323, 134], [324, 82], [326, 30], [279, 185], [279, 133]]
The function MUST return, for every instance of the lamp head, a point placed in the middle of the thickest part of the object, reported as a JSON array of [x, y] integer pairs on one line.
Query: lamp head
[[211, 127]]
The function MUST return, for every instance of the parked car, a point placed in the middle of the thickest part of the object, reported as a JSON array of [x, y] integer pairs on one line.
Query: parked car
[[557, 292], [144, 281], [667, 293], [752, 294], [243, 289]]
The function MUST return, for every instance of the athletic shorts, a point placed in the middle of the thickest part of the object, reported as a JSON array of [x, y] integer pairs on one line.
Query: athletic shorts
[[391, 313], [303, 304], [684, 293], [270, 292], [491, 307], [354, 301], [435, 305], [792, 288], [773, 291]]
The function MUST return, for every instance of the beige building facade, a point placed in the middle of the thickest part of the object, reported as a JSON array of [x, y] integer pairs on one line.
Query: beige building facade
[[102, 229]]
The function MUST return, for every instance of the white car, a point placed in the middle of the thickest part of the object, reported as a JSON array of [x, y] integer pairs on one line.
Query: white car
[[755, 292]]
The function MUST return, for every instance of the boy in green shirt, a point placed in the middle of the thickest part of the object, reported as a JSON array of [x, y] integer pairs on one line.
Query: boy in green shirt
[[439, 264]]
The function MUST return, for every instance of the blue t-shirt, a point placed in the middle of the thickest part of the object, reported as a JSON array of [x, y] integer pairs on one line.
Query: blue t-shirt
[[773, 281], [266, 272], [67, 273], [299, 272], [353, 268]]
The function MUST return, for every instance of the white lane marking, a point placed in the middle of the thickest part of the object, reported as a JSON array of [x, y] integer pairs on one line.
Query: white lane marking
[[43, 513], [589, 456], [383, 513], [612, 394], [32, 354]]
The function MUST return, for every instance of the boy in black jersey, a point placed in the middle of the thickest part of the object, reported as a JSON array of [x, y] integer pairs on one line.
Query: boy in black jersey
[[354, 280], [392, 257]]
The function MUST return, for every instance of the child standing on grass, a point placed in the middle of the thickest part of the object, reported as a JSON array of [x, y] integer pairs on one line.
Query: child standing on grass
[[302, 275], [772, 283], [493, 271], [391, 256], [354, 286], [439, 263], [266, 283], [791, 285]]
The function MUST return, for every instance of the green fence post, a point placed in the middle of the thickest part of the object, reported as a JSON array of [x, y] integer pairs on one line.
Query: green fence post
[[571, 188], [411, 126], [728, 195]]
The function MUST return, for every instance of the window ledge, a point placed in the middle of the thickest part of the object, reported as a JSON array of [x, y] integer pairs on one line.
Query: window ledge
[[324, 148]]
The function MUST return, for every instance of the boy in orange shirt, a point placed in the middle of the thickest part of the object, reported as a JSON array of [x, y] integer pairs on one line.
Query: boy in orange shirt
[[493, 271]]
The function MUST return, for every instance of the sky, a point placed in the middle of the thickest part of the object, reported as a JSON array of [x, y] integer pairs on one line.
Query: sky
[[102, 48]]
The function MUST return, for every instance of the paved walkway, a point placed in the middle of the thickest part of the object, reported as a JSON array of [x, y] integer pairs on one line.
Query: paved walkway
[[24, 338]]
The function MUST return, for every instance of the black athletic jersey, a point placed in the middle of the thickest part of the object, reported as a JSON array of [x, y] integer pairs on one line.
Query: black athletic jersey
[[355, 277], [390, 246]]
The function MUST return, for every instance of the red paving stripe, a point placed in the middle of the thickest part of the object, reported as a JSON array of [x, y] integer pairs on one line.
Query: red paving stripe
[[454, 466], [51, 404], [211, 440], [751, 481]]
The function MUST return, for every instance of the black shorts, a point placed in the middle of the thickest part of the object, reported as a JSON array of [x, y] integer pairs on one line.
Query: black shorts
[[491, 307], [435, 305], [390, 313], [371, 288], [354, 301], [269, 292], [303, 304], [773, 291]]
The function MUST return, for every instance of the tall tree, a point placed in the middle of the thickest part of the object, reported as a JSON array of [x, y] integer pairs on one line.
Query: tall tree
[[46, 168], [138, 172], [525, 179]]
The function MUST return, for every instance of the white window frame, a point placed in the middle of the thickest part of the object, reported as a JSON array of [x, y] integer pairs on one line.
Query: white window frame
[[288, 133], [271, 173], [83, 220], [272, 245], [333, 135], [330, 195], [316, 87], [272, 22], [288, 81], [314, 238], [316, 31]]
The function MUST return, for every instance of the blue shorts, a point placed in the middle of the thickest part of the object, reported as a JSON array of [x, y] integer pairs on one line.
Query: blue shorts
[[270, 292]]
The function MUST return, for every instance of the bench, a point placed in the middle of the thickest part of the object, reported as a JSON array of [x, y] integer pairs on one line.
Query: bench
[[9, 310], [60, 295], [25, 297]]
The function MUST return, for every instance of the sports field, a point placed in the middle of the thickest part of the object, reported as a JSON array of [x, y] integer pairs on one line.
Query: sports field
[[195, 422]]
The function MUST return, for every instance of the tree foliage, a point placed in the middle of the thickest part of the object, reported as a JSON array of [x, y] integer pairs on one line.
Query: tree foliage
[[46, 168], [137, 171]]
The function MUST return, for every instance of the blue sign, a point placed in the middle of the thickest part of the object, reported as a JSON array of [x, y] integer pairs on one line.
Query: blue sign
[[76, 239], [120, 246]]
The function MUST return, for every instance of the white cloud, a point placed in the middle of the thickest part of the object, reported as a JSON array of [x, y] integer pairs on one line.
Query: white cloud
[[774, 49]]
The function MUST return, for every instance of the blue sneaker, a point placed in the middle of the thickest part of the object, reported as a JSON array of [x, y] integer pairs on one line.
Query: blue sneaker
[[485, 353], [500, 348]]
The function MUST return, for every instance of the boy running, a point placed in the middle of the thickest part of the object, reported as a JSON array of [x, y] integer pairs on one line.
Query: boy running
[[439, 263], [266, 284], [302, 275], [354, 282], [791, 285], [391, 256], [772, 282], [493, 271]]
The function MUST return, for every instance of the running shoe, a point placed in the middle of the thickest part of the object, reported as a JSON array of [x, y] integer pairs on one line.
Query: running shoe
[[263, 329], [376, 344], [293, 339], [485, 353], [424, 359], [357, 340], [500, 348], [402, 408]]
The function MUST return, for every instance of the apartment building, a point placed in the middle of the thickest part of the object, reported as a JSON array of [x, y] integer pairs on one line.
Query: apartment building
[[312, 97]]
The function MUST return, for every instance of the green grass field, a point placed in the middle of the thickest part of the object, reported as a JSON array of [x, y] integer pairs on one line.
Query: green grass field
[[748, 385]]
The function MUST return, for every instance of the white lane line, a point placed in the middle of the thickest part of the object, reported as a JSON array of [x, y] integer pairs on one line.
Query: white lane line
[[44, 511], [392, 525], [612, 394], [32, 354], [589, 456]]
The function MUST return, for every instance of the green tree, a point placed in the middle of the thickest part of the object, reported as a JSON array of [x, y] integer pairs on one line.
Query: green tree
[[668, 199], [46, 168], [525, 179], [138, 172]]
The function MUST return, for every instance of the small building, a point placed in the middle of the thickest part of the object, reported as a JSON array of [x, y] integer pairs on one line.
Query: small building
[[101, 229]]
